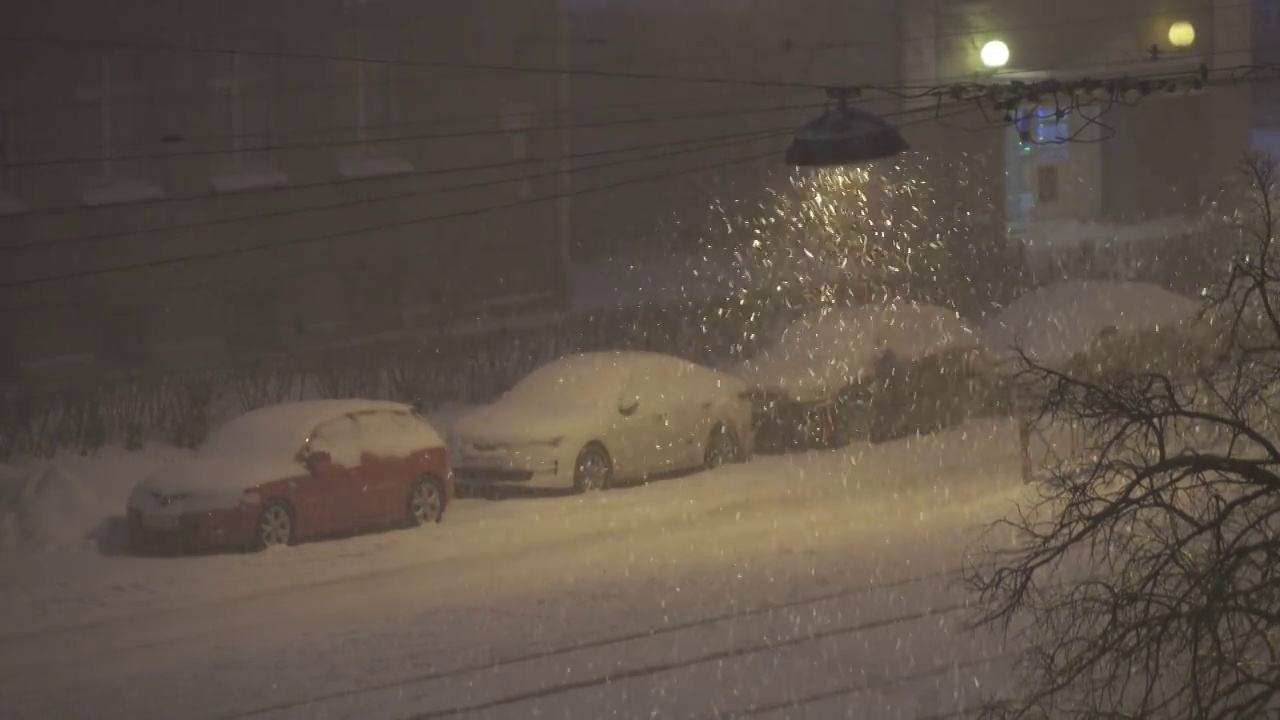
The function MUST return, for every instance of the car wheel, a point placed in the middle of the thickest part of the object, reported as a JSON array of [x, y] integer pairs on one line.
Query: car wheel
[[593, 470], [426, 503], [275, 526], [722, 448]]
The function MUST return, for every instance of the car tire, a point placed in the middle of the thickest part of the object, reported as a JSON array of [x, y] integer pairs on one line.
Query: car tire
[[426, 502], [276, 526], [592, 470], [722, 448]]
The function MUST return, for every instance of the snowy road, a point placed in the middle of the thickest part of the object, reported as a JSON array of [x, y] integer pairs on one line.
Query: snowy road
[[821, 583]]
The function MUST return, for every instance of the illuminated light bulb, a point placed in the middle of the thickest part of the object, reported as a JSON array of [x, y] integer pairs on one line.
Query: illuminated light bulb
[[995, 54], [1182, 34]]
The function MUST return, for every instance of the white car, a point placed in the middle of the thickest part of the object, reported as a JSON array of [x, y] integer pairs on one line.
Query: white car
[[587, 420]]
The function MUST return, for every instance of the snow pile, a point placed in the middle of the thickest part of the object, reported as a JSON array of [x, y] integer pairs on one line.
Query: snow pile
[[829, 349], [1056, 322], [49, 510]]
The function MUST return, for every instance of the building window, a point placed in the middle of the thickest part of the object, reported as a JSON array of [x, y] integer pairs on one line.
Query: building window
[[244, 111], [115, 111], [377, 109], [376, 106]]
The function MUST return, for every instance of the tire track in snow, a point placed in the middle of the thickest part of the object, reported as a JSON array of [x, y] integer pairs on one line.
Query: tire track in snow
[[645, 634], [654, 521], [719, 656], [801, 702]]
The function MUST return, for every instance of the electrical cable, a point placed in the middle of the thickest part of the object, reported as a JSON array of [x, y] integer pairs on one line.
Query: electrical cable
[[158, 46], [416, 221], [703, 144], [166, 47], [456, 135]]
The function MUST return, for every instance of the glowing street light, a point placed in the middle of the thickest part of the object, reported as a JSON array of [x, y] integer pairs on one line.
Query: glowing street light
[[995, 54], [1182, 34]]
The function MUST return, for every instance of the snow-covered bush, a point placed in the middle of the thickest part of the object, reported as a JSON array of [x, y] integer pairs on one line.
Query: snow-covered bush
[[1141, 581]]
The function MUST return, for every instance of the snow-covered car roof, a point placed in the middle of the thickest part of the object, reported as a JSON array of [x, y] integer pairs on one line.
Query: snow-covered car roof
[[1055, 322], [282, 428], [568, 395], [827, 349], [599, 374]]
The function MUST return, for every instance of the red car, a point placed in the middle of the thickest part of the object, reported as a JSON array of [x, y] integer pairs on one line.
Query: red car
[[295, 471]]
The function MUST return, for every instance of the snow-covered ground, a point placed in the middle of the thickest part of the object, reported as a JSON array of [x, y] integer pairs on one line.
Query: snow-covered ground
[[820, 583]]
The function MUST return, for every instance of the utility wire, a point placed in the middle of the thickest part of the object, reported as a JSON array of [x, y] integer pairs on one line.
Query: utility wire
[[702, 143], [159, 46], [1054, 25], [455, 135], [166, 47], [325, 183], [533, 118], [303, 240], [994, 76]]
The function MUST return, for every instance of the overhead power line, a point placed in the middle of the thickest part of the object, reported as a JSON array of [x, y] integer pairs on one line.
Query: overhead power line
[[166, 47], [143, 44], [455, 135], [297, 187], [1002, 31], [701, 144], [310, 239], [949, 111]]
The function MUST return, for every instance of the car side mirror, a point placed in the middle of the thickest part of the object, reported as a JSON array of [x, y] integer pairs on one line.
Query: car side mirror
[[628, 405]]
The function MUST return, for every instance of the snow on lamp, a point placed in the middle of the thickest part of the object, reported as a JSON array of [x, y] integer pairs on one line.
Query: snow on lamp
[[842, 136]]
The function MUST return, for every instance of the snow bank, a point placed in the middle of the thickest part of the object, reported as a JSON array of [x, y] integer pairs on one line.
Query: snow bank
[[1057, 321], [51, 510], [829, 349]]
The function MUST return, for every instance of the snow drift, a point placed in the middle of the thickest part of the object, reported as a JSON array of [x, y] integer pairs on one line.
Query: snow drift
[[49, 510]]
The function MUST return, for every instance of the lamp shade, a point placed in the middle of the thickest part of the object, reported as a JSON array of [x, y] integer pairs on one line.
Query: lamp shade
[[844, 136]]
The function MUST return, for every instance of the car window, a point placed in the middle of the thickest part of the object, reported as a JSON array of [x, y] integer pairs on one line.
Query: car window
[[661, 383], [392, 434], [340, 438]]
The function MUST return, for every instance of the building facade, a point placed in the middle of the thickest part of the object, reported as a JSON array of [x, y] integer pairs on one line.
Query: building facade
[[1136, 168], [327, 170]]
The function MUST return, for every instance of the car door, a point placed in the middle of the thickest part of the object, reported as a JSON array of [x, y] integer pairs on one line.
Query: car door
[[332, 499], [650, 432], [694, 400], [386, 469]]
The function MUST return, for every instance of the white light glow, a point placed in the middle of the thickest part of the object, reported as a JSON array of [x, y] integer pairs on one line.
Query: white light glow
[[1182, 34], [995, 54]]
